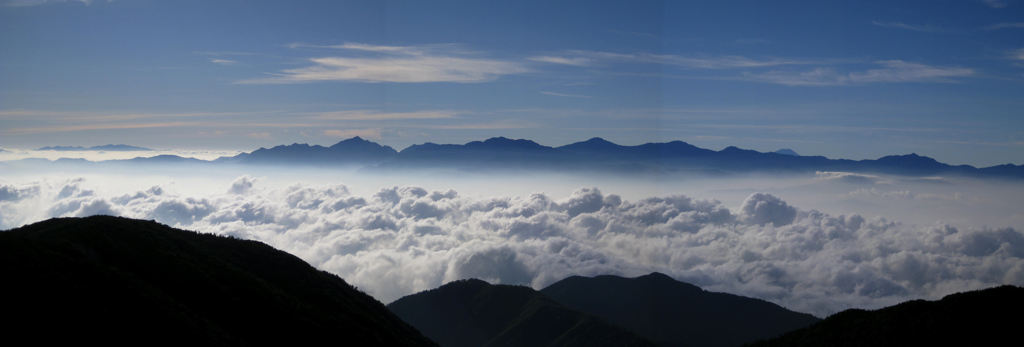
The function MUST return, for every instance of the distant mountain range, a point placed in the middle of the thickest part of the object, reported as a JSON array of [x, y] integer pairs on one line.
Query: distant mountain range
[[989, 317], [115, 281], [111, 148], [593, 155], [597, 154], [351, 151], [603, 310]]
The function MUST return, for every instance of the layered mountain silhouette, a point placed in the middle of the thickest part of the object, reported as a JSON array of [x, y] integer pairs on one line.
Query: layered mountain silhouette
[[107, 280], [501, 153], [989, 317], [474, 313], [603, 310], [593, 155]]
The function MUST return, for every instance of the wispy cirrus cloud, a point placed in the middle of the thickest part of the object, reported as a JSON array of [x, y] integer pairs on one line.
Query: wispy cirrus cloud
[[27, 3], [828, 72], [583, 58], [495, 125], [902, 71], [1016, 55], [378, 115], [25, 122], [395, 64], [753, 41], [97, 116], [368, 47], [888, 71], [373, 134], [574, 61], [997, 26], [995, 3], [565, 95], [223, 61], [905, 26], [89, 127]]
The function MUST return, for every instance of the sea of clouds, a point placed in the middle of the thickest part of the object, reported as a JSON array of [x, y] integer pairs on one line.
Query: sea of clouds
[[403, 239]]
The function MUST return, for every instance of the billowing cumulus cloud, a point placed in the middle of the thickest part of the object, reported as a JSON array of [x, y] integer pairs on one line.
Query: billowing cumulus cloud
[[14, 193], [760, 209], [405, 239]]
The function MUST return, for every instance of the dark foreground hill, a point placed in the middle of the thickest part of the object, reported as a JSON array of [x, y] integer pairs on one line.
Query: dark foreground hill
[[673, 313], [990, 317], [603, 310], [475, 313], [107, 280]]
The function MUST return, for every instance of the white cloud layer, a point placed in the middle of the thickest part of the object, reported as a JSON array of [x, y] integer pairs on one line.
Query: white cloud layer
[[886, 71], [585, 58], [396, 64], [401, 240]]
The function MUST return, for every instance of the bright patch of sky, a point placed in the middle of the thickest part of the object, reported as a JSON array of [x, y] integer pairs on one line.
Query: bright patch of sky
[[840, 79]]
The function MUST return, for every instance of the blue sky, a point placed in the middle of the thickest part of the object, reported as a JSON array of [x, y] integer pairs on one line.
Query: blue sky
[[834, 78]]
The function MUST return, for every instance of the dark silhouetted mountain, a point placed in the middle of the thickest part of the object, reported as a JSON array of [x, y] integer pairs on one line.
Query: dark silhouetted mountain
[[1005, 170], [107, 280], [498, 151], [352, 151], [71, 161], [474, 313], [910, 163], [111, 148], [594, 154], [593, 145], [673, 313], [989, 317], [598, 148], [786, 151]]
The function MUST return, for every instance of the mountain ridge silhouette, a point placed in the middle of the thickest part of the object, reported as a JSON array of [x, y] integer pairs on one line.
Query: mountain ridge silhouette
[[111, 280], [602, 155], [593, 155], [675, 313], [472, 312], [987, 317], [654, 307]]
